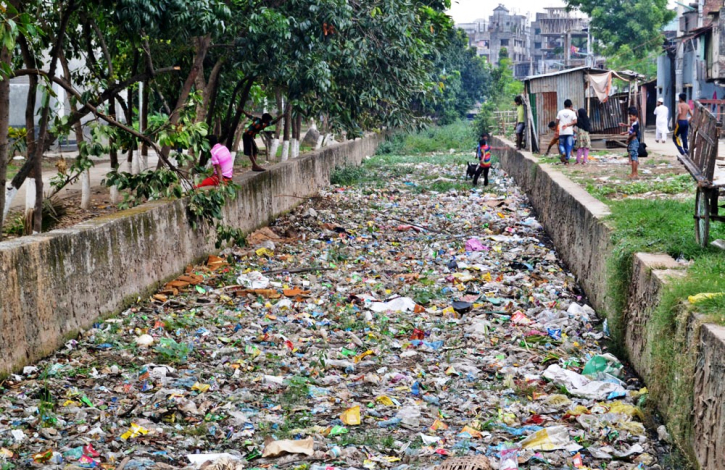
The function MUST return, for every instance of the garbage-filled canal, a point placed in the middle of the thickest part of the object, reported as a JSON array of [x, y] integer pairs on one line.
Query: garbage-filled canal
[[399, 321]]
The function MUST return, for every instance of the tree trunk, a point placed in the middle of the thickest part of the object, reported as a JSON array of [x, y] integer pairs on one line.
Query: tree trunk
[[278, 128], [4, 126], [299, 135], [144, 124], [208, 89], [287, 129], [45, 118], [113, 153], [238, 115], [78, 128], [202, 47]]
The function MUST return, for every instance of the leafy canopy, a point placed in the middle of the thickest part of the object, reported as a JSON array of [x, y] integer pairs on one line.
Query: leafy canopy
[[636, 24]]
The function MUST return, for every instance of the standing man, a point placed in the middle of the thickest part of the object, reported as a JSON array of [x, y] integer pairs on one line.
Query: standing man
[[250, 146], [566, 120], [683, 125], [519, 121], [663, 117]]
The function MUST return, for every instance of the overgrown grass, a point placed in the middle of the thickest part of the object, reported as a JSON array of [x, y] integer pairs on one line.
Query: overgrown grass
[[457, 136], [666, 226], [673, 184]]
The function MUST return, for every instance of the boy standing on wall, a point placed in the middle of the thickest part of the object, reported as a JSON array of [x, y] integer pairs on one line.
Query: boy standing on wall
[[250, 146]]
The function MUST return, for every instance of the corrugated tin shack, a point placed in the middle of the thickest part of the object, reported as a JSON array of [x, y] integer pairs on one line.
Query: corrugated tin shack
[[587, 88]]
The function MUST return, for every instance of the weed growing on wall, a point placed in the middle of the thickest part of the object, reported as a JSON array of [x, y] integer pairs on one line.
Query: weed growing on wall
[[666, 226]]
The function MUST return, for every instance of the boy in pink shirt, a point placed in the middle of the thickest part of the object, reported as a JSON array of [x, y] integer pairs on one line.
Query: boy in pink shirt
[[221, 161]]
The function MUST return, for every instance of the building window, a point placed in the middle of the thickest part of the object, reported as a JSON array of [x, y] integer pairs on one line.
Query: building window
[[504, 42], [537, 31], [537, 45]]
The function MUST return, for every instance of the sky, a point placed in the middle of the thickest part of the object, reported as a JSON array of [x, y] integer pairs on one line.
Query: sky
[[464, 11]]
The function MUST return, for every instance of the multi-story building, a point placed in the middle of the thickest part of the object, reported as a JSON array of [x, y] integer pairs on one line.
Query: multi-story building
[[502, 30], [694, 58], [555, 40]]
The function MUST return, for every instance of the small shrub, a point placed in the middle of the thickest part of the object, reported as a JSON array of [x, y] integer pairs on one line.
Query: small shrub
[[348, 175]]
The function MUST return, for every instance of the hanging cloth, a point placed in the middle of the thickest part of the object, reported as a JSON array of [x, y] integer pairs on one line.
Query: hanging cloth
[[601, 84]]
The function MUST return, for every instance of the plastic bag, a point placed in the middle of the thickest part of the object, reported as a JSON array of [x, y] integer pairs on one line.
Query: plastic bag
[[509, 459]]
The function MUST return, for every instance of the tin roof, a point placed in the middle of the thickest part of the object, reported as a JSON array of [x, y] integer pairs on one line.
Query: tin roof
[[628, 74]]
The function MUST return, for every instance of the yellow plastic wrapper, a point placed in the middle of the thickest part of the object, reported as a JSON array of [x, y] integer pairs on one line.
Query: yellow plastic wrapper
[[557, 400], [624, 408], [42, 457], [134, 431], [360, 357], [438, 424], [384, 400], [201, 388], [264, 251], [632, 427], [551, 438], [474, 433], [696, 299], [578, 410], [351, 416]]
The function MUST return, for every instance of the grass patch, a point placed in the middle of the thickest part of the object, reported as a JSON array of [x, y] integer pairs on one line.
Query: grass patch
[[666, 226], [674, 184], [457, 136]]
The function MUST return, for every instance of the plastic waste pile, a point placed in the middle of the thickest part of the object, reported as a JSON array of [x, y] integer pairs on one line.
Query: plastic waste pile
[[376, 326]]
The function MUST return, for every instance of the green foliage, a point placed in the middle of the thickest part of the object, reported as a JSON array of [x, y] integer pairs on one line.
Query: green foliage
[[171, 351], [347, 175], [149, 184], [455, 136], [18, 138], [504, 88], [635, 24], [461, 80], [667, 226]]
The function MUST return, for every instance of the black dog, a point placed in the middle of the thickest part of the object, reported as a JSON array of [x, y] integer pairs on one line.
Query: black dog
[[471, 169]]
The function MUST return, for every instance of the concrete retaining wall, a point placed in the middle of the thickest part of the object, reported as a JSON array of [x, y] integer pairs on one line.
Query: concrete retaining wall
[[56, 283], [576, 222]]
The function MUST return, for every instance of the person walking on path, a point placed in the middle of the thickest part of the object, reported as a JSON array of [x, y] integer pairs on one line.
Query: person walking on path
[[483, 152], [683, 125], [221, 161], [566, 119], [663, 117], [583, 141], [258, 125], [520, 122], [633, 141]]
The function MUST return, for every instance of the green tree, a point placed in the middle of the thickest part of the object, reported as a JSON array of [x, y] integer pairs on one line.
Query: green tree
[[636, 24], [461, 79]]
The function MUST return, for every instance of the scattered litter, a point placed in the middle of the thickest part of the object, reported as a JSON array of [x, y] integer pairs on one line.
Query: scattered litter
[[385, 328]]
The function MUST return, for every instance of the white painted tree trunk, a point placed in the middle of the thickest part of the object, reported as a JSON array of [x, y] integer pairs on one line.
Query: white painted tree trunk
[[10, 193], [29, 196], [293, 148], [320, 139], [114, 195], [273, 149], [144, 162], [86, 190], [285, 150], [136, 162]]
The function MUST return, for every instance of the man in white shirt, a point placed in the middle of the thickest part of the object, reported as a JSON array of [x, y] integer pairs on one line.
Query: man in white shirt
[[663, 117], [566, 120]]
